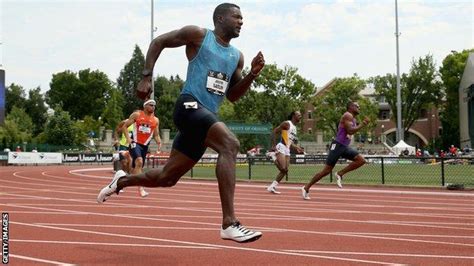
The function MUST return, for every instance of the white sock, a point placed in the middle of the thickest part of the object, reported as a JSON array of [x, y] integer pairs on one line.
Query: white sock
[[274, 184]]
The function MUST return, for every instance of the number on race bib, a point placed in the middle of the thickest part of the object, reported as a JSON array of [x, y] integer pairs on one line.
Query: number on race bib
[[217, 82], [144, 129]]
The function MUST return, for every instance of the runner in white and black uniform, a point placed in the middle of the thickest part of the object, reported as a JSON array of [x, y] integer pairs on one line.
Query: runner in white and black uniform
[[288, 139]]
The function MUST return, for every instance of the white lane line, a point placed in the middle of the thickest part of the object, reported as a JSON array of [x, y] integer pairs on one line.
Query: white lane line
[[38, 260], [259, 228], [415, 235], [382, 254], [444, 205], [91, 170], [380, 191], [384, 222], [277, 216], [345, 205], [130, 226], [167, 193], [109, 244], [278, 230], [273, 218], [78, 172], [204, 244], [252, 215]]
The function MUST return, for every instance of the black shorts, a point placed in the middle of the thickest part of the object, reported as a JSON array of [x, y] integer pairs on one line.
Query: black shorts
[[193, 123], [139, 151], [337, 150]]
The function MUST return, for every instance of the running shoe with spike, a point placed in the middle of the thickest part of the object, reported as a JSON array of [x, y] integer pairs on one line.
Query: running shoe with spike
[[110, 189], [273, 190], [142, 192], [339, 180], [305, 194], [239, 233]]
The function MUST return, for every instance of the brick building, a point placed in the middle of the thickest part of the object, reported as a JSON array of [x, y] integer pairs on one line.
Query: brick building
[[423, 132]]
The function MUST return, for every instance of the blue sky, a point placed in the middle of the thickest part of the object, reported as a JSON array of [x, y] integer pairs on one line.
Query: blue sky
[[323, 39]]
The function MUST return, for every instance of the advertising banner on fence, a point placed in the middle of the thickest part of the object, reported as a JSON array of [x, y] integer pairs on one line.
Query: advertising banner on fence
[[87, 157], [34, 157], [105, 157], [70, 157]]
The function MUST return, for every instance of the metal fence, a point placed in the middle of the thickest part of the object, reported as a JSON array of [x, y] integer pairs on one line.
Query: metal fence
[[397, 171]]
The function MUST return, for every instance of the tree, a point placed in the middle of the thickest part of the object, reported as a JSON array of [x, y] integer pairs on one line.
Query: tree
[[14, 96], [330, 105], [84, 128], [17, 128], [60, 128], [451, 73], [35, 106], [128, 80], [113, 112], [274, 95], [420, 89], [9, 133], [80, 94], [166, 93]]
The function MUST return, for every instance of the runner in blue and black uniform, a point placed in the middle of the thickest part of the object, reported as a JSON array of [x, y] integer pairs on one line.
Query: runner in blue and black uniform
[[214, 72]]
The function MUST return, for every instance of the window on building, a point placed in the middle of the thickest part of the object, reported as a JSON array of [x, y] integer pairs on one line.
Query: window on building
[[384, 114], [310, 131], [310, 114], [423, 114]]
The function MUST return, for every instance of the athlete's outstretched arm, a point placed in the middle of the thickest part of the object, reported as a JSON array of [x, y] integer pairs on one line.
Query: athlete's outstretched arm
[[188, 35], [239, 86], [191, 36]]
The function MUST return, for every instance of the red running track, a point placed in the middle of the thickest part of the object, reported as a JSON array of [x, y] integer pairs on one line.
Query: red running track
[[54, 219]]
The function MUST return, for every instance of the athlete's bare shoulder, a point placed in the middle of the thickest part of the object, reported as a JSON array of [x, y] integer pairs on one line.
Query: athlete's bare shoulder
[[192, 34], [347, 116]]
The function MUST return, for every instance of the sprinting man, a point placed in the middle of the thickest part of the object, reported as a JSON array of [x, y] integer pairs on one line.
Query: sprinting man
[[340, 148], [288, 132], [145, 127], [214, 72]]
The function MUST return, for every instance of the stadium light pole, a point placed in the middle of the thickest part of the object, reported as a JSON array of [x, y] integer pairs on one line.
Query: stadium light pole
[[152, 30], [399, 94]]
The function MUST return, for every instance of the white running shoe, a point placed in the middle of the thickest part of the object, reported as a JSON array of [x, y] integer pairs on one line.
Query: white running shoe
[[305, 194], [142, 192], [109, 190], [239, 233], [273, 190], [339, 180]]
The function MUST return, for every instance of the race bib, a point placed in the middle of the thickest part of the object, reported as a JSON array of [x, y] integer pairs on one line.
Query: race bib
[[217, 82], [144, 129]]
